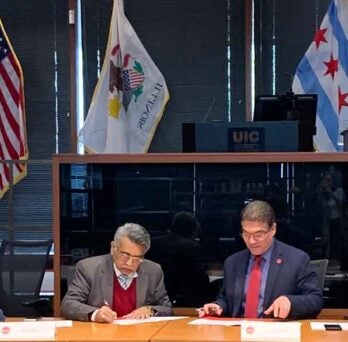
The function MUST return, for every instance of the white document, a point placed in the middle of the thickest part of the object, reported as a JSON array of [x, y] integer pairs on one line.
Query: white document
[[63, 323], [59, 323], [147, 320], [27, 331], [270, 331], [207, 321], [321, 325]]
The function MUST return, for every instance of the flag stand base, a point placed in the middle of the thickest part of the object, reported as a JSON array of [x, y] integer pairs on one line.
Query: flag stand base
[[345, 140]]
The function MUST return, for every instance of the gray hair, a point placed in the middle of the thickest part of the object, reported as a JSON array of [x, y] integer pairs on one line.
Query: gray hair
[[258, 211], [134, 232]]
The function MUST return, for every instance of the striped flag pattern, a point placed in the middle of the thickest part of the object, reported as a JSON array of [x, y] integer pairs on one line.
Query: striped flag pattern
[[13, 144], [132, 79], [323, 71]]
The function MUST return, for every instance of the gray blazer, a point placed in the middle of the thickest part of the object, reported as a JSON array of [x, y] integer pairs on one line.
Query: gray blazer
[[92, 285]]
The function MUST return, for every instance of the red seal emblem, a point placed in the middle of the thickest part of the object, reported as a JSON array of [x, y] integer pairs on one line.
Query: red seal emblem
[[250, 330], [5, 330]]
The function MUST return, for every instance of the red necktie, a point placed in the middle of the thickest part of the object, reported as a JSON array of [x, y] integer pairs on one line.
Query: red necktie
[[252, 294]]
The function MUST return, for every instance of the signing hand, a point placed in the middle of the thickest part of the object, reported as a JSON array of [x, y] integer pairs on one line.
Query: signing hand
[[140, 313], [105, 315], [210, 309], [280, 307]]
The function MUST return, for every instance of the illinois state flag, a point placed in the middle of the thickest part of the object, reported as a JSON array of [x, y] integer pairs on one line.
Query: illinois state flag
[[130, 96], [323, 70], [13, 141]]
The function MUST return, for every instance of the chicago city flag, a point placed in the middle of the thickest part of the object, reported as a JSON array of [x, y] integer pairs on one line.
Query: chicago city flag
[[13, 140], [323, 71], [130, 96]]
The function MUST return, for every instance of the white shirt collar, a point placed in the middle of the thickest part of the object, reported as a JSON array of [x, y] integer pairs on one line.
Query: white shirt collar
[[131, 275]]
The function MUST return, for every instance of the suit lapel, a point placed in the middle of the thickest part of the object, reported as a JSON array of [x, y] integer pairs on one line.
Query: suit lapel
[[107, 280], [241, 270], [142, 285], [276, 263]]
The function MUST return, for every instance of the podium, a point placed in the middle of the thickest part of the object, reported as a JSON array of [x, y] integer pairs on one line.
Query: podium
[[258, 136]]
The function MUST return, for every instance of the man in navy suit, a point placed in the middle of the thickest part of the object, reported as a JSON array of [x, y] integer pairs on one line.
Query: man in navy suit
[[288, 288]]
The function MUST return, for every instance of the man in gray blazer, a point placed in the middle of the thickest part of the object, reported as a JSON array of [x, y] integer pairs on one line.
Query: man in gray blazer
[[119, 284], [287, 287]]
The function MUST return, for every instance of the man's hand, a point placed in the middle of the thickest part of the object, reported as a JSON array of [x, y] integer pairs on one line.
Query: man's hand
[[210, 309], [140, 313], [280, 307], [105, 315]]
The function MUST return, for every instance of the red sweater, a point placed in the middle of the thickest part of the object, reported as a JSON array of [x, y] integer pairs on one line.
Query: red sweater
[[124, 301]]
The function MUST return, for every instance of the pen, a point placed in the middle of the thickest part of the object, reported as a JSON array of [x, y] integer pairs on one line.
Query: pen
[[202, 309], [106, 303], [210, 309]]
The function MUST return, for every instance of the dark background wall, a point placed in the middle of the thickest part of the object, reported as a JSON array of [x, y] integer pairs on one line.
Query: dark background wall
[[38, 32], [199, 46]]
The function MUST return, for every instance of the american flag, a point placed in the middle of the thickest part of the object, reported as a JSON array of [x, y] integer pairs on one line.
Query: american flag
[[132, 79], [13, 145]]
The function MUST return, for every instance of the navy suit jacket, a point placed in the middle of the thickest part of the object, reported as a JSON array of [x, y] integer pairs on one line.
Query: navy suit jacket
[[289, 274], [2, 317]]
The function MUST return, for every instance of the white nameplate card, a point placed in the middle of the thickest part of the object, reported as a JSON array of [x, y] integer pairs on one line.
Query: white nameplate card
[[330, 325], [27, 331], [270, 331]]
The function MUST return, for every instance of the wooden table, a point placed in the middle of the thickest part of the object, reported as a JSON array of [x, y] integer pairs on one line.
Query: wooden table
[[98, 332], [174, 331], [180, 331], [309, 335]]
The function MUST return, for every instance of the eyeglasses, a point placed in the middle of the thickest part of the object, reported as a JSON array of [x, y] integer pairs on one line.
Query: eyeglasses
[[125, 257], [259, 235]]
